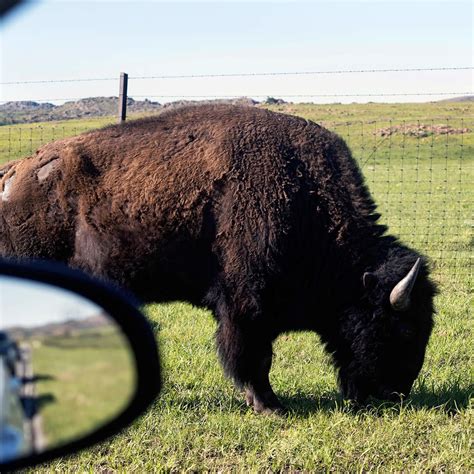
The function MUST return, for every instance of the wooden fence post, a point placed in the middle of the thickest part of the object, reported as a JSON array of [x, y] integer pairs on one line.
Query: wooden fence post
[[123, 97]]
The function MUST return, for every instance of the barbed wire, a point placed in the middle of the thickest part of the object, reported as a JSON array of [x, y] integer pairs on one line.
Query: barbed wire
[[51, 99], [305, 73], [381, 94], [246, 74], [238, 96]]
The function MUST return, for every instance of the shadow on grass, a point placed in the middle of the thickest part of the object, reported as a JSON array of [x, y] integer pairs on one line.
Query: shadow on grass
[[38, 378], [449, 399], [299, 405], [210, 403], [303, 405], [43, 400], [33, 405]]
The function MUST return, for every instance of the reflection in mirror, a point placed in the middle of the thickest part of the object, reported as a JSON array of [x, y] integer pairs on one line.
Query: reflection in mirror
[[66, 368]]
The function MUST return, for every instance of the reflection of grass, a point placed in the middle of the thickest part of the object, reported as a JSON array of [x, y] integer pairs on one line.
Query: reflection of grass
[[87, 339], [90, 380]]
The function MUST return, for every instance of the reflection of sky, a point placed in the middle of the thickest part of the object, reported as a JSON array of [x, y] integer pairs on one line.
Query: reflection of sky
[[28, 304]]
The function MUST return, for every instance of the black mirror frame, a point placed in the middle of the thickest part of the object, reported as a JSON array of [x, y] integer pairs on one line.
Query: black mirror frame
[[123, 308]]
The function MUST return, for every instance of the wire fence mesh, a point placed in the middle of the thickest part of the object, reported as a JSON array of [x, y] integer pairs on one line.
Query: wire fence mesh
[[420, 172]]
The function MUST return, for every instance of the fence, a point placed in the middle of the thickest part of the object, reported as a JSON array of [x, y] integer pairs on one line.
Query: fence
[[419, 168]]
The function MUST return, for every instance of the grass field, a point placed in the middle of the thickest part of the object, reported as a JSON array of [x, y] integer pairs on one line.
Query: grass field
[[423, 181]]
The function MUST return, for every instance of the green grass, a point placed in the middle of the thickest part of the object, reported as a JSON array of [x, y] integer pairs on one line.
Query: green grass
[[424, 188], [17, 141], [20, 140], [200, 423], [86, 379]]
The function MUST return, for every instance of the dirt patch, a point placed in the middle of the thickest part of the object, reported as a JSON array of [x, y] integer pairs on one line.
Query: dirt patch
[[420, 130]]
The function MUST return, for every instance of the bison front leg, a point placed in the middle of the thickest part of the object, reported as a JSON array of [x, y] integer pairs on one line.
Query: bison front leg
[[246, 355], [259, 392]]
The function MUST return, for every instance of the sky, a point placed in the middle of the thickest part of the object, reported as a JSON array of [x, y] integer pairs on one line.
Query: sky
[[50, 40]]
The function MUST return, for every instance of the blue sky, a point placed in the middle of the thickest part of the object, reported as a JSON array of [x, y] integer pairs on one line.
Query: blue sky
[[78, 39]]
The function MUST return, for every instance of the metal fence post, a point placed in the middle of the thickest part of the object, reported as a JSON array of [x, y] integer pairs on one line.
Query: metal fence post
[[123, 97]]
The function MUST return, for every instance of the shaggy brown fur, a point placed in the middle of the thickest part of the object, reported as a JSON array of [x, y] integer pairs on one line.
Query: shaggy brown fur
[[260, 216]]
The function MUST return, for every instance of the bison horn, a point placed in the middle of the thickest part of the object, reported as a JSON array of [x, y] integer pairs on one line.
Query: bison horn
[[400, 295]]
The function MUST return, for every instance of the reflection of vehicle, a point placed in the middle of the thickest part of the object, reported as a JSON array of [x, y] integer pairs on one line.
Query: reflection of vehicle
[[15, 440], [9, 351]]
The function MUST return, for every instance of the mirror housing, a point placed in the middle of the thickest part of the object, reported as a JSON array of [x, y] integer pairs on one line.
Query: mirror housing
[[123, 310]]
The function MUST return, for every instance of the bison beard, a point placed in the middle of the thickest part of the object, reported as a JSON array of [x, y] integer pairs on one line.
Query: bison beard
[[263, 218]]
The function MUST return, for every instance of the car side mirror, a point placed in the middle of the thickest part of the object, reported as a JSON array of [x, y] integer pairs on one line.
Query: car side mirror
[[78, 362]]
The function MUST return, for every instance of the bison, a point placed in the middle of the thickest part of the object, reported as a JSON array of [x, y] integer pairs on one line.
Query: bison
[[261, 217]]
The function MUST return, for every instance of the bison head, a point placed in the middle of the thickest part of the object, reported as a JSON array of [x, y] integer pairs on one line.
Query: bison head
[[386, 333]]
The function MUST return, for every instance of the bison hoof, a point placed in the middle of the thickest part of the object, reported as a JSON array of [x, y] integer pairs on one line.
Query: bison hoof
[[279, 411], [267, 404]]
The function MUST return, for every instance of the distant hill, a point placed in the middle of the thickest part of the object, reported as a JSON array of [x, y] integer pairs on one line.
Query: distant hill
[[236, 101], [465, 98], [29, 111]]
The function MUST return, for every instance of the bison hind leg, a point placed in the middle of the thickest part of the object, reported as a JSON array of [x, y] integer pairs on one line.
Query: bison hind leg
[[246, 356]]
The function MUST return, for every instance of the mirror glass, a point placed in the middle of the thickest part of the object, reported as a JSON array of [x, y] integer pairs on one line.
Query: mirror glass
[[66, 368]]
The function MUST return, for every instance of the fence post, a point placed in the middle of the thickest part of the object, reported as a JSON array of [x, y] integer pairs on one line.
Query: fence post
[[123, 97]]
